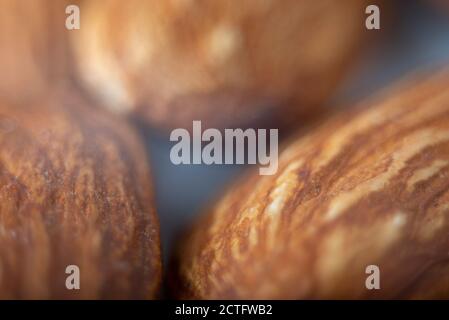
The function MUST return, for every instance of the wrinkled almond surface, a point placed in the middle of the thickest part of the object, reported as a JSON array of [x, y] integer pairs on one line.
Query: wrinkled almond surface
[[74, 190], [365, 188]]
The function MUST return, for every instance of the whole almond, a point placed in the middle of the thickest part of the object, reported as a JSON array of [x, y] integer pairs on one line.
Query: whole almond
[[74, 191], [367, 189], [223, 62]]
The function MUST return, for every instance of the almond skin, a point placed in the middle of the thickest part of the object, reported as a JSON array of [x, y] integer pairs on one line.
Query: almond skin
[[222, 62], [34, 47], [367, 187], [74, 190]]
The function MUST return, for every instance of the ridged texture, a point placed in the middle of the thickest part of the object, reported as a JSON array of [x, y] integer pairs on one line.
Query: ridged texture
[[34, 47], [74, 190], [365, 188], [223, 62]]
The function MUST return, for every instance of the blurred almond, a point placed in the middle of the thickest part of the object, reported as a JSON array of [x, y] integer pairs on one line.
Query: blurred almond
[[34, 47], [224, 62]]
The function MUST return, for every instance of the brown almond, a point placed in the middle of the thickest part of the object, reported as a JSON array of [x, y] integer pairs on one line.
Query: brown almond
[[223, 62], [34, 47], [74, 190], [366, 188]]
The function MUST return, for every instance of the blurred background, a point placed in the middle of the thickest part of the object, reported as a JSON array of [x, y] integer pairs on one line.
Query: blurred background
[[415, 38]]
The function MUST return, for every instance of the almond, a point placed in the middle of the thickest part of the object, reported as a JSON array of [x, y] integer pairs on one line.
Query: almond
[[366, 188], [177, 61], [74, 190], [34, 47]]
